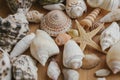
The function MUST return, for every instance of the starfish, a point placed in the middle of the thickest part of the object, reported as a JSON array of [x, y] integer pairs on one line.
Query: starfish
[[86, 38]]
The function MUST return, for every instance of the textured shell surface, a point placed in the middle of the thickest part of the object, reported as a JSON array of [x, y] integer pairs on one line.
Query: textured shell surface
[[102, 72], [5, 65], [24, 68], [55, 22], [72, 55], [53, 70], [43, 47], [75, 8], [110, 36], [46, 2]]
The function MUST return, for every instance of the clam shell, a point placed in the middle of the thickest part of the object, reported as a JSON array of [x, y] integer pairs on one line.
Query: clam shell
[[55, 22], [46, 2]]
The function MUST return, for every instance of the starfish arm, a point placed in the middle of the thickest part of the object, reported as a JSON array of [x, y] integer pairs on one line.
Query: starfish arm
[[82, 46]]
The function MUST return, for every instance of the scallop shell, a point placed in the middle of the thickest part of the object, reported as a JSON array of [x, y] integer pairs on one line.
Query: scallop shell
[[46, 2], [55, 22], [75, 8], [24, 68], [5, 66]]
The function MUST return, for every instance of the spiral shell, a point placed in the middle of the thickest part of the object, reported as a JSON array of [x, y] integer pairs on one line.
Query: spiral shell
[[55, 22]]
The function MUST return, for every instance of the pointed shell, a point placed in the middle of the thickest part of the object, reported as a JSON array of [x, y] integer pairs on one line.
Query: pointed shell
[[55, 22], [43, 47], [102, 73], [72, 55]]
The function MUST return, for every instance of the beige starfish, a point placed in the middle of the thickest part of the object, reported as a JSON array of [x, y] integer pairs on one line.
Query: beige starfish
[[86, 38]]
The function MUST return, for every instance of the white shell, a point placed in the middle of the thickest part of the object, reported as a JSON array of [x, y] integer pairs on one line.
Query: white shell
[[22, 45], [72, 55], [113, 58], [24, 68], [43, 47], [53, 70], [95, 3], [101, 78], [110, 36], [58, 6], [75, 8], [70, 74], [102, 72], [5, 66]]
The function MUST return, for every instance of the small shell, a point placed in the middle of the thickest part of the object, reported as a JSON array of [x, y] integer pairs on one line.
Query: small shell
[[72, 55], [90, 61], [34, 16], [53, 70], [95, 3], [75, 8], [46, 2], [58, 6], [70, 74], [22, 45], [55, 22], [24, 68], [62, 38], [102, 73], [101, 78], [5, 66], [73, 33]]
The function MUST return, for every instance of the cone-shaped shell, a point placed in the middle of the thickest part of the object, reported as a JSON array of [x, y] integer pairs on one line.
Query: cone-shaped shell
[[43, 47], [113, 58], [72, 55], [55, 22]]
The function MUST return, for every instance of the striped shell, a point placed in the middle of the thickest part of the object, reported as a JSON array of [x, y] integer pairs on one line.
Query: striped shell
[[56, 22]]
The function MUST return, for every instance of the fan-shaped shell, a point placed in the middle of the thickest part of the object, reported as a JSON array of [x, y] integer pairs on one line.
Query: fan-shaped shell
[[55, 22]]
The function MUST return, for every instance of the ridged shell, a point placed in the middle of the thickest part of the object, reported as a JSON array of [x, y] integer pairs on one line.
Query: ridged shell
[[46, 2], [55, 22]]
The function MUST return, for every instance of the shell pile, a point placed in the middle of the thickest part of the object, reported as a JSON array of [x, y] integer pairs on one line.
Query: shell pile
[[46, 2]]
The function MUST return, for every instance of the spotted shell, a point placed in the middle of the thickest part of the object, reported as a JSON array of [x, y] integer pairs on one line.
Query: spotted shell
[[46, 2], [55, 22]]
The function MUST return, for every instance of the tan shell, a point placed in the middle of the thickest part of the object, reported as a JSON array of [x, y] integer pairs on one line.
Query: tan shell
[[55, 22]]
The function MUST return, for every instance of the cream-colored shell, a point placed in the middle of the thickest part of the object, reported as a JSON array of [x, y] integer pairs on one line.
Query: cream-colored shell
[[102, 72], [43, 47], [95, 3], [101, 78], [72, 55], [110, 36]]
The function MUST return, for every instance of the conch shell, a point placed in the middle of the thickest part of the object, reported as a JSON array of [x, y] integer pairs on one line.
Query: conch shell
[[70, 74], [55, 22], [72, 55], [53, 70], [113, 58], [46, 2], [34, 16], [5, 66], [22, 45], [75, 8], [24, 68], [43, 47], [110, 36]]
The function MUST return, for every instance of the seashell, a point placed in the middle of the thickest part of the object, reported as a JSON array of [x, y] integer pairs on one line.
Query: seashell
[[104, 4], [101, 78], [46, 2], [58, 6], [24, 68], [110, 36], [73, 33], [53, 70], [55, 22], [62, 38], [102, 73], [43, 47], [72, 55], [111, 16], [5, 66], [90, 61], [88, 20], [75, 8], [70, 74], [113, 59], [34, 16], [14, 5], [22, 45], [12, 28]]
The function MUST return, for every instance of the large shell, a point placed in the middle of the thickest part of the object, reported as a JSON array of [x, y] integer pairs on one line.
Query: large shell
[[5, 66], [55, 22], [110, 36], [75, 8], [43, 47], [72, 55], [12, 29], [46, 2], [113, 58], [24, 68]]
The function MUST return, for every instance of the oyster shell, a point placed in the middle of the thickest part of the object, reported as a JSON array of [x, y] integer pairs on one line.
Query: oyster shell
[[55, 22], [24, 68], [46, 2]]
